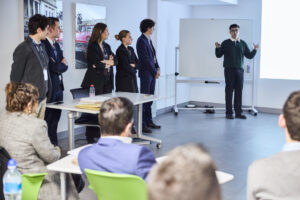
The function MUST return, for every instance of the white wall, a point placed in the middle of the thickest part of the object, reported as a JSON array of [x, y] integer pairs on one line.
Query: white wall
[[120, 15], [167, 38], [11, 35], [268, 93]]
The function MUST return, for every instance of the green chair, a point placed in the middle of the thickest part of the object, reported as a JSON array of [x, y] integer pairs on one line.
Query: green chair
[[111, 186], [31, 184]]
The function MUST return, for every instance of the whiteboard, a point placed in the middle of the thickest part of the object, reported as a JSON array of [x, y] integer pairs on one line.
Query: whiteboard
[[197, 46]]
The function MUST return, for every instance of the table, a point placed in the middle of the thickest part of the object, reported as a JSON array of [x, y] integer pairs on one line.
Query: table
[[65, 165], [136, 98]]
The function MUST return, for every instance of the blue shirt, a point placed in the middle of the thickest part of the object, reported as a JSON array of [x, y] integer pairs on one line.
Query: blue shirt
[[293, 146]]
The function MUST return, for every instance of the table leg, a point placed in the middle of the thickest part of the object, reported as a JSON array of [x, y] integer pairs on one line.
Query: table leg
[[71, 117], [140, 126], [63, 186]]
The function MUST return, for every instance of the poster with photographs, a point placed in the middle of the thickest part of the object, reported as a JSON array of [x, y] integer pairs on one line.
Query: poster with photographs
[[49, 8], [87, 16]]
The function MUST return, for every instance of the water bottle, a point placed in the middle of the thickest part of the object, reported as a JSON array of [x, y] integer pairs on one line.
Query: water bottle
[[12, 182], [92, 91]]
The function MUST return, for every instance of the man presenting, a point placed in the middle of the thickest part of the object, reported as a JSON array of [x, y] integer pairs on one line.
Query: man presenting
[[234, 50]]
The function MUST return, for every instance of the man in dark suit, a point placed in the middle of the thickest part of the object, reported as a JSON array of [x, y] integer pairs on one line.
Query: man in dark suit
[[30, 61], [57, 65], [149, 70], [114, 151]]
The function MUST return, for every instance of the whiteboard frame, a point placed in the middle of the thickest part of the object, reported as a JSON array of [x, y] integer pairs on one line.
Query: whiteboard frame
[[251, 109]]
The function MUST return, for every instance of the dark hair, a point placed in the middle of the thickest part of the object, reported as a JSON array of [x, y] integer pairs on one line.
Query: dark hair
[[187, 172], [145, 24], [121, 35], [98, 29], [291, 113], [37, 21], [115, 114], [18, 95], [52, 20], [233, 26]]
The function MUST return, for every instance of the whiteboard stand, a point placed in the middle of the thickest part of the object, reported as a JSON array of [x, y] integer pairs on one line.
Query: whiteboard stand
[[251, 109]]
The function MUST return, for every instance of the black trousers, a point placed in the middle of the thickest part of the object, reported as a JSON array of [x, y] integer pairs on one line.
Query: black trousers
[[52, 117], [234, 80], [147, 87]]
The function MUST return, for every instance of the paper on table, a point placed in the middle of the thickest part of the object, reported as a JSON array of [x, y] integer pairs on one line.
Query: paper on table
[[96, 99]]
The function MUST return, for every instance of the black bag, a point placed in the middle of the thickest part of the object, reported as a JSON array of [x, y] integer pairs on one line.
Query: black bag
[[4, 158]]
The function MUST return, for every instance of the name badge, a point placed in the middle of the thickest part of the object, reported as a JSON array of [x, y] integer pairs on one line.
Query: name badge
[[45, 75]]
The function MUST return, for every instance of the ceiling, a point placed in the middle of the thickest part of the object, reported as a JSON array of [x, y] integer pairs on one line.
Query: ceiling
[[205, 2]]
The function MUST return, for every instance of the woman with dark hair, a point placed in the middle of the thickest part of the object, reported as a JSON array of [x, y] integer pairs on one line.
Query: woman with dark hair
[[100, 60], [127, 64], [26, 140]]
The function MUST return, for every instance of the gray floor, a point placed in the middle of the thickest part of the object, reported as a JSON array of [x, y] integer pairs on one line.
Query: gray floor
[[234, 144]]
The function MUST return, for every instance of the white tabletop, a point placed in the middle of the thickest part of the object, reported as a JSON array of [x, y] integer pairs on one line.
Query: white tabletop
[[67, 165], [135, 98]]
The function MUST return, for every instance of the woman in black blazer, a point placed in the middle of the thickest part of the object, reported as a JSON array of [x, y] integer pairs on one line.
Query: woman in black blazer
[[100, 61], [127, 64]]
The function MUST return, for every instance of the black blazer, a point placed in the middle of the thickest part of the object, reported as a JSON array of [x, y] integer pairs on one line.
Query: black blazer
[[126, 74], [27, 67], [56, 68], [99, 75]]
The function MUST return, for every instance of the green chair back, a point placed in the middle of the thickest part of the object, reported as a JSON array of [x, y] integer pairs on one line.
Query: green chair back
[[31, 184], [112, 186]]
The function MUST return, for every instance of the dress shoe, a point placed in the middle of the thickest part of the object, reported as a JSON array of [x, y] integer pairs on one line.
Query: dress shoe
[[146, 130], [241, 116], [154, 126], [229, 117]]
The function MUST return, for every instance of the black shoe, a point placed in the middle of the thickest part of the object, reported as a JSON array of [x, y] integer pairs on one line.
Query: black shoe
[[241, 116], [146, 130], [229, 117], [154, 126]]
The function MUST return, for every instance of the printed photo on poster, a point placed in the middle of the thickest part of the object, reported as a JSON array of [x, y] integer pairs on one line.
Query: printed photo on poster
[[87, 16], [49, 8]]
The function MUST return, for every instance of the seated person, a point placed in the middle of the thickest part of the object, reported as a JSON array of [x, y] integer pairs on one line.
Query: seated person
[[26, 140], [277, 177], [113, 152], [186, 173]]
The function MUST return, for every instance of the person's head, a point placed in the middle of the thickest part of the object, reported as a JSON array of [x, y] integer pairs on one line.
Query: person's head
[[147, 26], [21, 97], [290, 117], [125, 37], [116, 117], [234, 30], [54, 28], [38, 26], [187, 173], [99, 33]]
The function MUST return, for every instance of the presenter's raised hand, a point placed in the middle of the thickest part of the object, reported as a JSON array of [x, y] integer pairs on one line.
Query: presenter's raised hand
[[256, 46], [217, 44]]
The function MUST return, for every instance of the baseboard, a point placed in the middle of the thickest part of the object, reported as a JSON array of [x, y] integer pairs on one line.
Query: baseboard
[[168, 109]]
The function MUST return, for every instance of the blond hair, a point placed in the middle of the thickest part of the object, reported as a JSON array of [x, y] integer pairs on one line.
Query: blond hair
[[187, 173]]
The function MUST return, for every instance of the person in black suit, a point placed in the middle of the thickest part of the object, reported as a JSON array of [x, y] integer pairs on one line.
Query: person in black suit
[[30, 61], [149, 70], [127, 64], [57, 65], [100, 60]]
